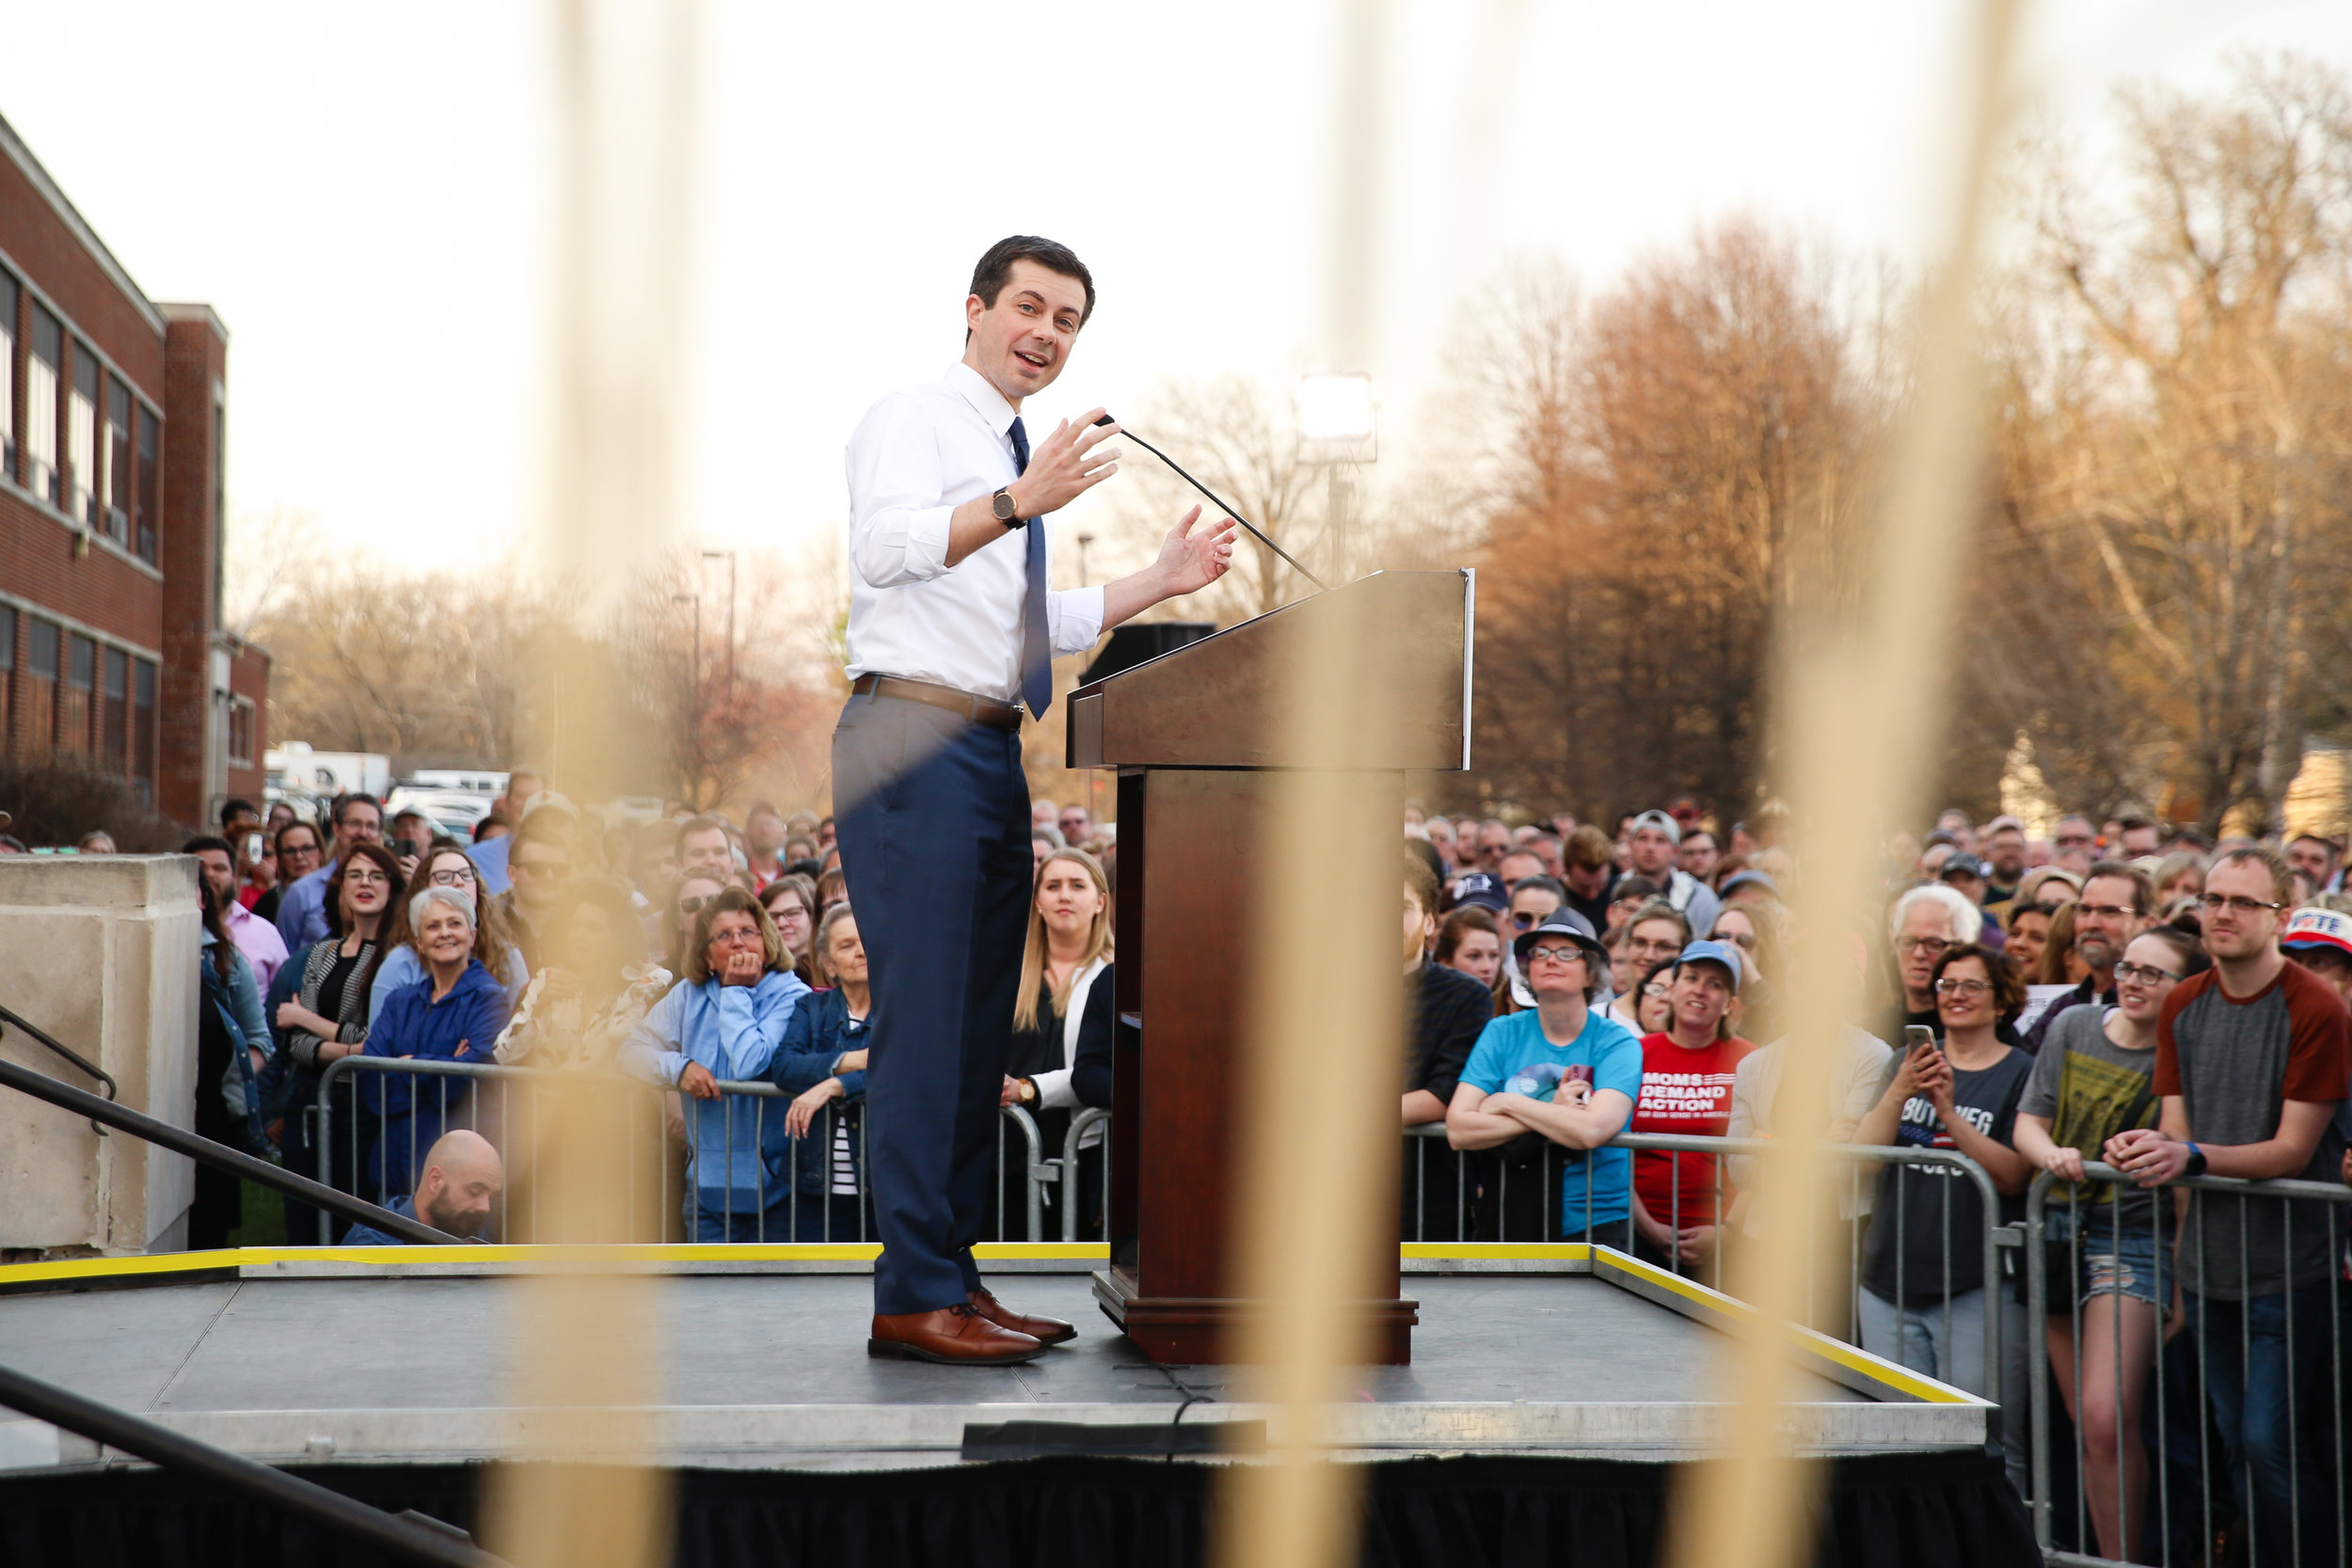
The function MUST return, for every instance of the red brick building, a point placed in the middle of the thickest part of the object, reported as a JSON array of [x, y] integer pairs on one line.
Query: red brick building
[[113, 414]]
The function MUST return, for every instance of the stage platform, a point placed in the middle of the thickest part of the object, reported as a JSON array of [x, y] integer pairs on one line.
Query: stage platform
[[374, 1357]]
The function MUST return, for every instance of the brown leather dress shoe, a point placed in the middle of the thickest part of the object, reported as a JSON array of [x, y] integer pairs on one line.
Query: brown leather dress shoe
[[952, 1335], [1045, 1330]]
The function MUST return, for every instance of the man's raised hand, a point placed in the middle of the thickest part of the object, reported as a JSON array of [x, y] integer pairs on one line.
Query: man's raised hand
[[1066, 465], [1191, 560]]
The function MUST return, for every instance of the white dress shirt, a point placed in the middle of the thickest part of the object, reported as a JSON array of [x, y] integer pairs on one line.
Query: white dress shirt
[[918, 455]]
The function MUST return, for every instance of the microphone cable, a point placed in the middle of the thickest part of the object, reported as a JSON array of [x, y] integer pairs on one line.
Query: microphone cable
[[1222, 504]]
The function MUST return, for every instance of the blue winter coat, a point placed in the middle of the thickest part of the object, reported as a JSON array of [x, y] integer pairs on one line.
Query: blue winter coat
[[413, 1025], [822, 1030]]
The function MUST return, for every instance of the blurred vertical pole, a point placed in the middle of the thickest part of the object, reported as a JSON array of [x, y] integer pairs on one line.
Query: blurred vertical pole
[[1319, 1135], [586, 1335], [1859, 714]]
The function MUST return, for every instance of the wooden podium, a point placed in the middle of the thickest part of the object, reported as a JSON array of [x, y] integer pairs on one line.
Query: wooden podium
[[1191, 735]]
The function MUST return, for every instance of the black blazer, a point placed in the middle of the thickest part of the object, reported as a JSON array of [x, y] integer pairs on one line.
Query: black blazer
[[1091, 1072]]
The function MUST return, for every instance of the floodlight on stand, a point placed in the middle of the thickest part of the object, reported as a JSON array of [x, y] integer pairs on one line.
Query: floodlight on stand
[[1336, 419]]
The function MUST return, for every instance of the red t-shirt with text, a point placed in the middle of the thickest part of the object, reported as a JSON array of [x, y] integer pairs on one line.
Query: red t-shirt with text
[[1686, 1092]]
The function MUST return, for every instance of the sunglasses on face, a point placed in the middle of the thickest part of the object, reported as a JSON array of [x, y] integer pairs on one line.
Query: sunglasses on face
[[1570, 954], [692, 903], [1962, 988], [552, 870]]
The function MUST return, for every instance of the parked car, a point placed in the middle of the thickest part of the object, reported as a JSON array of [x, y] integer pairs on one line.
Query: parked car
[[455, 812]]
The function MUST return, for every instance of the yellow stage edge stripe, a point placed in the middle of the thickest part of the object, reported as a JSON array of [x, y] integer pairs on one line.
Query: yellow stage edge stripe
[[141, 1265], [1925, 1390], [1551, 1252]]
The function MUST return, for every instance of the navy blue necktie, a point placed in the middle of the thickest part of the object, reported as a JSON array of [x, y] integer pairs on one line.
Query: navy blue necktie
[[1037, 660]]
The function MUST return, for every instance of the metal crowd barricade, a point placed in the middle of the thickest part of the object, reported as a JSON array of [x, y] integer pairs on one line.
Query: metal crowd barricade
[[2192, 1484], [496, 1100], [1065, 1171], [1471, 1172]]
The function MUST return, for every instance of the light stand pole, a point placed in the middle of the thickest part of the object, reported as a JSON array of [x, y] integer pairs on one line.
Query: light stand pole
[[1338, 427], [713, 555], [694, 686]]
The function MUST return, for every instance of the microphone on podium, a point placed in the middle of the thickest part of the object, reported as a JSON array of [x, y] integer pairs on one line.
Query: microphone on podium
[[1222, 506]]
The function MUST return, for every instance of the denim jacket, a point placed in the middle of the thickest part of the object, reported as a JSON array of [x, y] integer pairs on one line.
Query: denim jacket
[[733, 1031], [819, 1032]]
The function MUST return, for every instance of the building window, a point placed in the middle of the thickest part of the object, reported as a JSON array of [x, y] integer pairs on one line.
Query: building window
[[81, 439], [143, 728], [151, 452], [7, 681], [74, 713], [113, 463], [39, 724], [8, 385], [241, 717], [115, 718], [41, 405]]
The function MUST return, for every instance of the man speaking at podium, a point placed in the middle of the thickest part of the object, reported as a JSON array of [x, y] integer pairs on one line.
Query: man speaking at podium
[[952, 632]]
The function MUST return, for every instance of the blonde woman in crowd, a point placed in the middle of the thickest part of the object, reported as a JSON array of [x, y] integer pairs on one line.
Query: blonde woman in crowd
[[1063, 1004]]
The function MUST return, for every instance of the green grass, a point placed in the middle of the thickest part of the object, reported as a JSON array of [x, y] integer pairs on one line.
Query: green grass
[[264, 1218]]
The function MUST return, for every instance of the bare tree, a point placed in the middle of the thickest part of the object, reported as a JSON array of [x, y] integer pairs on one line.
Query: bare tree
[[2191, 429], [1240, 439], [1661, 458]]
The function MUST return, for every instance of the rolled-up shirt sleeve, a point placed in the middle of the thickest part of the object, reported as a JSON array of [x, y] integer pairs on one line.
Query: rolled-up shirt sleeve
[[1073, 619], [897, 527]]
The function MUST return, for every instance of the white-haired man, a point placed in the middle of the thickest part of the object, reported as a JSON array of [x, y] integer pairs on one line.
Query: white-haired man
[[1924, 924]]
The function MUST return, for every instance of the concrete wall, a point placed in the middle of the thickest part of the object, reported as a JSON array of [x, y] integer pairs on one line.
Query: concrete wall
[[101, 951]]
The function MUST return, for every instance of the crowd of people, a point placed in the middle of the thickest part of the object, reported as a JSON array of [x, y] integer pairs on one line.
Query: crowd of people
[[2131, 994], [695, 953], [2128, 994]]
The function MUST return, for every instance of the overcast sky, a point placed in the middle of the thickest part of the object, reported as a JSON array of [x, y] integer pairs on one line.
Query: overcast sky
[[357, 190]]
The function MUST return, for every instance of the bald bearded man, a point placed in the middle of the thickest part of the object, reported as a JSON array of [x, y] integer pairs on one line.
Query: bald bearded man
[[463, 1178]]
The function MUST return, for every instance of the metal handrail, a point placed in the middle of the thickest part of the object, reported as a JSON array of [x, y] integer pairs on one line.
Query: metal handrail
[[113, 1090], [198, 1147], [415, 1538]]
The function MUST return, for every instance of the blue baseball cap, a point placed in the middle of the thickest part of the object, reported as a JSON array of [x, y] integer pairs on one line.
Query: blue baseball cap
[[1715, 952], [1480, 890]]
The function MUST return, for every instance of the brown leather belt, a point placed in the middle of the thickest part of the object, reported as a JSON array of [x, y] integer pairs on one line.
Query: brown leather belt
[[979, 710]]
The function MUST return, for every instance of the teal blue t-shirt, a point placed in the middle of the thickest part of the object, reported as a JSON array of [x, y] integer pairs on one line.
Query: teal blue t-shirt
[[1515, 1044]]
